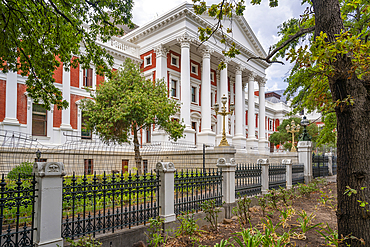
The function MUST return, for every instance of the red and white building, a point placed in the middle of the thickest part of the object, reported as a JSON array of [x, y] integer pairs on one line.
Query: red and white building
[[167, 47]]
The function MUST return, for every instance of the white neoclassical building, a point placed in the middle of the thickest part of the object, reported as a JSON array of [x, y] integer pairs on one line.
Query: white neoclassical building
[[168, 48]]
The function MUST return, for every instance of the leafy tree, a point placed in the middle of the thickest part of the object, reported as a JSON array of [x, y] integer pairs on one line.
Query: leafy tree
[[39, 36], [128, 103], [285, 138], [330, 47]]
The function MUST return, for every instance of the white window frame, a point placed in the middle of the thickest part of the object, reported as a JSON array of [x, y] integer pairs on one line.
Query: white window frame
[[196, 68], [146, 64], [177, 59], [196, 94], [175, 77]]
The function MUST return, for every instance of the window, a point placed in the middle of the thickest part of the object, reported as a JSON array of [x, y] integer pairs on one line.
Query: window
[[173, 88], [194, 127], [194, 69], [88, 169], [88, 78], [212, 76], [39, 120], [193, 91], [149, 135], [148, 60], [270, 125], [211, 99], [145, 166], [85, 134], [124, 166], [174, 60]]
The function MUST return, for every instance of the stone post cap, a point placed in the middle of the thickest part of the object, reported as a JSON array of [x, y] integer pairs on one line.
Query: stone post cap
[[223, 163], [44, 169], [263, 162], [304, 144], [286, 161], [165, 167]]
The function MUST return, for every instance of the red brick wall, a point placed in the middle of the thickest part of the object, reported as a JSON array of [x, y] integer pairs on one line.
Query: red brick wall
[[21, 104], [257, 93], [2, 99], [57, 117], [214, 83], [58, 73], [153, 60], [73, 109], [99, 80], [75, 76]]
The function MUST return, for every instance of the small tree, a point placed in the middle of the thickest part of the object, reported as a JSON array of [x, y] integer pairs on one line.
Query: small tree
[[128, 103], [285, 138]]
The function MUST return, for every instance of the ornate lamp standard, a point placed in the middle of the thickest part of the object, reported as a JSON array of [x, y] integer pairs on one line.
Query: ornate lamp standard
[[305, 136], [38, 155], [292, 129], [224, 113]]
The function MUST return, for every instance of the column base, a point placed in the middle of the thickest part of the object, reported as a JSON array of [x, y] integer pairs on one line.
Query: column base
[[307, 179], [11, 123], [66, 127], [252, 145], [239, 142], [263, 147], [168, 218], [206, 137], [189, 136], [52, 243]]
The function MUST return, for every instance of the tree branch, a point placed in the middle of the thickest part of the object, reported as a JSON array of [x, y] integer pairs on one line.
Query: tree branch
[[285, 43]]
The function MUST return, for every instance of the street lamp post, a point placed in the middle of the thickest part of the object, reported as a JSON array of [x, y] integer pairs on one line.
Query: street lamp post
[[305, 136], [292, 129], [224, 113]]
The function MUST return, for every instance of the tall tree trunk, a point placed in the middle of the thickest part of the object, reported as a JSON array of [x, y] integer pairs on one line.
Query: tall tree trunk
[[138, 157], [353, 129]]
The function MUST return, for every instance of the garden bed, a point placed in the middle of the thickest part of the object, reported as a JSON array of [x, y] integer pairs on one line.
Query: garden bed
[[316, 202]]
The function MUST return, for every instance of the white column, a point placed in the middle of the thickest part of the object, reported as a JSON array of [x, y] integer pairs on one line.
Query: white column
[[228, 184], [11, 101], [48, 206], [223, 91], [305, 158], [185, 87], [262, 142], [159, 135], [244, 109], [264, 175], [161, 62], [66, 90], [251, 140], [207, 136], [239, 137], [289, 172], [166, 172]]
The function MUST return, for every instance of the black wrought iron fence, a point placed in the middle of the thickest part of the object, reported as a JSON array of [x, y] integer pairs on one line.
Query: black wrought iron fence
[[17, 200], [320, 165], [334, 159], [102, 203], [277, 176], [195, 186], [298, 174], [247, 180]]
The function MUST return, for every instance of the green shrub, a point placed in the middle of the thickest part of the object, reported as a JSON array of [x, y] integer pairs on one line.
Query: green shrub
[[24, 170]]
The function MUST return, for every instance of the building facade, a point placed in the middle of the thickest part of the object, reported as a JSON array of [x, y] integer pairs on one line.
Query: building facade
[[168, 48]]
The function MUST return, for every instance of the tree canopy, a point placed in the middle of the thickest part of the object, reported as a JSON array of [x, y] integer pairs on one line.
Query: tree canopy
[[38, 36]]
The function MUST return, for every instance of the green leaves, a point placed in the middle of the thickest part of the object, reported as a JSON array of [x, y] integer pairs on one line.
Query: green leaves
[[38, 37], [127, 102]]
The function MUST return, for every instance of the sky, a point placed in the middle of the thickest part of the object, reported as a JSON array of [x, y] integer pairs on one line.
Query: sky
[[262, 19]]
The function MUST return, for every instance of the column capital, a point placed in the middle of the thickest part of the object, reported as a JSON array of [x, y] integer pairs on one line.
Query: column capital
[[239, 69], [206, 51], [252, 76], [225, 60], [185, 40], [161, 51], [261, 81]]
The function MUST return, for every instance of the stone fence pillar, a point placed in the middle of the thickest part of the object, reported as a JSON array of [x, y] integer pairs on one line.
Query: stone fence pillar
[[48, 206], [166, 191], [330, 163], [305, 157], [265, 175], [228, 184], [289, 172]]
